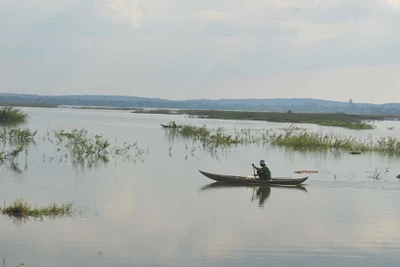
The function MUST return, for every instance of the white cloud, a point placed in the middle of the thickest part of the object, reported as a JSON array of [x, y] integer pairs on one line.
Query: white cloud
[[123, 11], [215, 15], [363, 84], [39, 4], [393, 3], [308, 32]]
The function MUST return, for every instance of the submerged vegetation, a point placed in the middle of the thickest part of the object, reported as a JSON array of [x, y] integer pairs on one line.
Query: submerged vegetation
[[82, 144], [288, 137], [350, 121], [20, 208], [11, 115], [313, 141], [306, 171], [82, 148], [208, 137], [16, 140], [87, 150], [10, 157], [17, 136]]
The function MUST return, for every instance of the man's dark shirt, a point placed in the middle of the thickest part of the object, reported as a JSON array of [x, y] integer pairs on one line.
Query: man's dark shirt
[[264, 173]]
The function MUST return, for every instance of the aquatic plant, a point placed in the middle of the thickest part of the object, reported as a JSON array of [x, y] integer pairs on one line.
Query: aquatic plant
[[11, 115], [127, 148], [312, 141], [288, 137], [10, 157], [87, 150], [306, 171], [20, 208], [82, 143], [208, 138], [292, 127], [17, 136]]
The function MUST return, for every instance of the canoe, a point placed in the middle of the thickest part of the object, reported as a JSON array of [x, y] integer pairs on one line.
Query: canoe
[[246, 180], [170, 126]]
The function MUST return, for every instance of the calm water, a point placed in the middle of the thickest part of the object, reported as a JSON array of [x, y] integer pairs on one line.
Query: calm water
[[162, 212]]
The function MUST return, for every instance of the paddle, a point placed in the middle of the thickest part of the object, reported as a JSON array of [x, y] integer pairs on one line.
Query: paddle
[[252, 197], [254, 170]]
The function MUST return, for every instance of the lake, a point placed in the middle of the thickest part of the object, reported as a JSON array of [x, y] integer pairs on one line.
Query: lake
[[158, 210]]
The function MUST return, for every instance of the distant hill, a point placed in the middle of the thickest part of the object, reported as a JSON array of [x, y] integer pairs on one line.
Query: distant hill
[[272, 104]]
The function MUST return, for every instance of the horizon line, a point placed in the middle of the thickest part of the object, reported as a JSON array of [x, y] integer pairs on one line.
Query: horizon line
[[195, 99]]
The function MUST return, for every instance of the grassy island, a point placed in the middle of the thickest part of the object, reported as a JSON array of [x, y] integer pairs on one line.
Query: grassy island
[[350, 121]]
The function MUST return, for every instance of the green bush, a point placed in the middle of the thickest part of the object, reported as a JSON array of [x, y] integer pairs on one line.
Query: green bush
[[10, 115]]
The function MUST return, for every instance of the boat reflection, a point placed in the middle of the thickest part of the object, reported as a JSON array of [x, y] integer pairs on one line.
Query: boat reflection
[[260, 193]]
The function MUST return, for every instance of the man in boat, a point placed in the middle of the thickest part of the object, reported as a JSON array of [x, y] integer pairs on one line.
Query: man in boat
[[172, 124], [263, 173]]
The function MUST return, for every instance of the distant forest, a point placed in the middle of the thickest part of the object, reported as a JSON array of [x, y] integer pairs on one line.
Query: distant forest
[[308, 105]]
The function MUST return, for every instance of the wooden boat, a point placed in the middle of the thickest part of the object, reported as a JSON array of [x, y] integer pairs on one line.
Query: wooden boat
[[170, 126], [251, 181]]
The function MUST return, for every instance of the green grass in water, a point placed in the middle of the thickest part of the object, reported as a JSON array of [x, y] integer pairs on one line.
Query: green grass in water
[[10, 157], [11, 115], [211, 138], [17, 135], [21, 208], [312, 141], [88, 150], [289, 137]]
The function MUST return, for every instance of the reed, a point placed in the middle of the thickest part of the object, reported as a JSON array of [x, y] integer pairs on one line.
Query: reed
[[17, 136], [88, 150], [312, 141], [10, 157], [11, 115], [208, 138], [20, 208], [82, 143], [293, 137]]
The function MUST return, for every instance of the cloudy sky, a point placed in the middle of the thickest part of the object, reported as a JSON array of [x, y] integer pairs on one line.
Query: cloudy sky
[[330, 49]]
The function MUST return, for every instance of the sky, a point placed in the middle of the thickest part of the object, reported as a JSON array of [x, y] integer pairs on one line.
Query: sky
[[326, 49]]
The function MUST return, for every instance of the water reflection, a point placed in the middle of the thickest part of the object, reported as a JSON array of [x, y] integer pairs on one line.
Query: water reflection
[[20, 222], [260, 193], [15, 168]]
